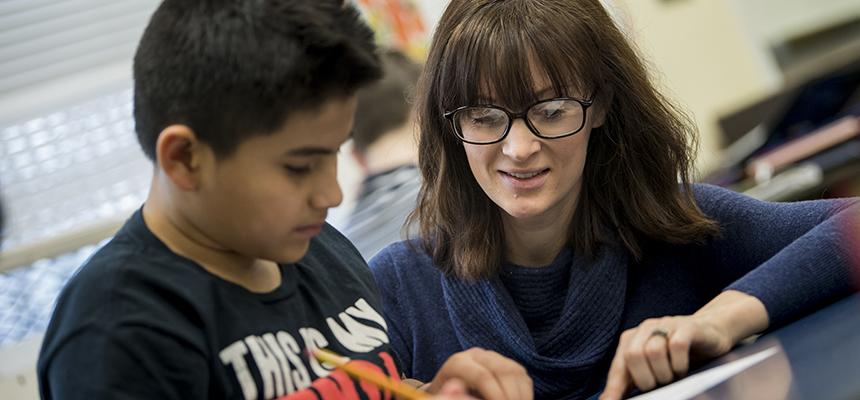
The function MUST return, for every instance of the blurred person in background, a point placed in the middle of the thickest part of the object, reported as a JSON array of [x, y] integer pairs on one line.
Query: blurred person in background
[[1, 221], [384, 147]]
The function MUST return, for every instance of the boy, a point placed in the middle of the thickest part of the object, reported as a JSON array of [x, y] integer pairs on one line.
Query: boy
[[228, 275]]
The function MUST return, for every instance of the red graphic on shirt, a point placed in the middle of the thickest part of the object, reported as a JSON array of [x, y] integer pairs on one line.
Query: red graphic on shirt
[[338, 385]]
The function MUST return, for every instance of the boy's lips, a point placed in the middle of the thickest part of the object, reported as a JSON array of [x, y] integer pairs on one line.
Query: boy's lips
[[309, 231]]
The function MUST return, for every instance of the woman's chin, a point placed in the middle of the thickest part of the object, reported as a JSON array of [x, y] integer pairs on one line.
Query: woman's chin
[[522, 213]]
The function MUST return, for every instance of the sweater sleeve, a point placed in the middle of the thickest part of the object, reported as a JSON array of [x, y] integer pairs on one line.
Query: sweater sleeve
[[794, 257], [385, 271]]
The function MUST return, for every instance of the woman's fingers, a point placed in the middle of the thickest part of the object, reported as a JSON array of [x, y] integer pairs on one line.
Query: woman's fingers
[[657, 354], [648, 355], [658, 351], [487, 374], [511, 376], [639, 356], [453, 389], [618, 381], [679, 349]]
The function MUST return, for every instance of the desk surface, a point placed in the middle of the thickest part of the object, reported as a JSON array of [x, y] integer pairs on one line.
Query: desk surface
[[817, 357]]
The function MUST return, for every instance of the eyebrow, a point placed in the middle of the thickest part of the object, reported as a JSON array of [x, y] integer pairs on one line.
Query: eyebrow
[[539, 94], [549, 89], [544, 91], [310, 151]]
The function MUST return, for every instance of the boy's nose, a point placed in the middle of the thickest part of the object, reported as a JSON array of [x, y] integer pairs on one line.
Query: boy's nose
[[520, 143], [328, 194]]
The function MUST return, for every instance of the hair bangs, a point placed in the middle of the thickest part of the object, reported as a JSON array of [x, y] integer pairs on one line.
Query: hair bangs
[[565, 56], [490, 62], [500, 57]]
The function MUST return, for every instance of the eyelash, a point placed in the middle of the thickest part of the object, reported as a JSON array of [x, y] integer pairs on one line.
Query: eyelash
[[297, 169]]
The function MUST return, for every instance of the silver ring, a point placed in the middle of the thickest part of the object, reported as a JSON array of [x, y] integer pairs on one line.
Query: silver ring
[[660, 332]]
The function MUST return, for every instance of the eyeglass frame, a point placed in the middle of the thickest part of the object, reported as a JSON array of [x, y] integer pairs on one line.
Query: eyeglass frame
[[512, 116]]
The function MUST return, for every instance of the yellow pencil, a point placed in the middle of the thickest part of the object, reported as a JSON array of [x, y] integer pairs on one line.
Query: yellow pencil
[[400, 389]]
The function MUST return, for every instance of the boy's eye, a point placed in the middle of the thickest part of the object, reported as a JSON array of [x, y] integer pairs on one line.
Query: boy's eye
[[297, 169]]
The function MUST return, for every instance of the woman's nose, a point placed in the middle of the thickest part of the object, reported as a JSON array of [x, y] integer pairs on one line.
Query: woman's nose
[[520, 143]]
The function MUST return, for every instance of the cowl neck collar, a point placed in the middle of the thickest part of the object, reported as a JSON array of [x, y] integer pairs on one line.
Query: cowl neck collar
[[567, 363]]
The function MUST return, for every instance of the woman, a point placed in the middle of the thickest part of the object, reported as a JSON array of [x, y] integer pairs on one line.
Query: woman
[[558, 223]]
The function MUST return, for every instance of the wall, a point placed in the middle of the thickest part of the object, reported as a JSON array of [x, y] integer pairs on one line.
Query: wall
[[704, 58]]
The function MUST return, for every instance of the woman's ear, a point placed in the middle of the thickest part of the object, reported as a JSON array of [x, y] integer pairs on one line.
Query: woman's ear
[[179, 155], [601, 107]]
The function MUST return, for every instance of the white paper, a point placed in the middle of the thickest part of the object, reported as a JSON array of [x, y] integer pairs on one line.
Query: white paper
[[694, 385]]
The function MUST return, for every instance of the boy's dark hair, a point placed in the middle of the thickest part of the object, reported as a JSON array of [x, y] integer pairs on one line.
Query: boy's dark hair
[[386, 104], [232, 69]]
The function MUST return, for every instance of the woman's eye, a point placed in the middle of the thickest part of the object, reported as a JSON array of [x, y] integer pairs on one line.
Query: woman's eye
[[552, 113], [484, 121], [482, 117]]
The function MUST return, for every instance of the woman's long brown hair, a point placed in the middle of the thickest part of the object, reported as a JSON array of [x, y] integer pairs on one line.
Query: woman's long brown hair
[[636, 181]]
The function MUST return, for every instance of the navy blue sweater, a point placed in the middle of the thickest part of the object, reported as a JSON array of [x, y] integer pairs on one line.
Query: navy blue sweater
[[791, 256]]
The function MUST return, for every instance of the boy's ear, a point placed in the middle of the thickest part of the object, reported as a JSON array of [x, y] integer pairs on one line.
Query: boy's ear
[[179, 156]]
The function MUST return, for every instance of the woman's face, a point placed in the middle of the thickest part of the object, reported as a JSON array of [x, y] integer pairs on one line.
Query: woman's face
[[530, 178]]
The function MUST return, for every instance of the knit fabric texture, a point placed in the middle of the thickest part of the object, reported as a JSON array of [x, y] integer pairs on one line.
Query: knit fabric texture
[[791, 256]]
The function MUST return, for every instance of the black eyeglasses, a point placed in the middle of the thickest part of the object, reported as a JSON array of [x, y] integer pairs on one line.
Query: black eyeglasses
[[549, 119]]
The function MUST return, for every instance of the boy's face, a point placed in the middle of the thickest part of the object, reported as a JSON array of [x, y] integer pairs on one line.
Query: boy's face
[[269, 198]]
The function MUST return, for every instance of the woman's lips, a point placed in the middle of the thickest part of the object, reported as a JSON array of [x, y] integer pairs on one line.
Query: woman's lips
[[524, 179]]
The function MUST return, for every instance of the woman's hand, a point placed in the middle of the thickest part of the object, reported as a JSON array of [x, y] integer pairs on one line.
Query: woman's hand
[[658, 351], [485, 374], [453, 389]]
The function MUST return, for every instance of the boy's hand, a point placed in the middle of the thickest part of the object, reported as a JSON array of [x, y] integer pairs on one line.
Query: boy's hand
[[485, 374]]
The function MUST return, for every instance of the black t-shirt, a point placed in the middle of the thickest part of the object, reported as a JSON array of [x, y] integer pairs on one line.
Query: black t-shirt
[[139, 321]]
